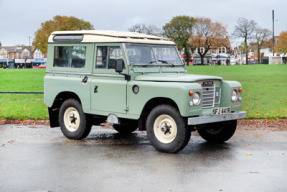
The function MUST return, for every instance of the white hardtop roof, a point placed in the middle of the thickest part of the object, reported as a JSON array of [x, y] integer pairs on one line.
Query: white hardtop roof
[[113, 36]]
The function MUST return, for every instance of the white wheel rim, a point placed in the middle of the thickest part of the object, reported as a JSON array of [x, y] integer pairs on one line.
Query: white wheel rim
[[72, 119], [165, 128]]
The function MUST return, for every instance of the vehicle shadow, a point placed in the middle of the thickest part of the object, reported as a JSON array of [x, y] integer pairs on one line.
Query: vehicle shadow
[[137, 139]]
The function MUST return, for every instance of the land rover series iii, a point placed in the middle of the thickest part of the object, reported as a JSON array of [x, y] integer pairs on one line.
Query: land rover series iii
[[132, 81]]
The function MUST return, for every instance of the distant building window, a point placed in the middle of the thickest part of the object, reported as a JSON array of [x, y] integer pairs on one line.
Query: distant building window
[[211, 51], [3, 54], [201, 50], [222, 50], [25, 54], [70, 56], [38, 54]]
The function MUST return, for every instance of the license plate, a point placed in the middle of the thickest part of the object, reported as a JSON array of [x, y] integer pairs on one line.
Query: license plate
[[221, 111]]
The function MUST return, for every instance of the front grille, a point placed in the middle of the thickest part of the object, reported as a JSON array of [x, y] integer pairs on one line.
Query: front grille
[[208, 90]]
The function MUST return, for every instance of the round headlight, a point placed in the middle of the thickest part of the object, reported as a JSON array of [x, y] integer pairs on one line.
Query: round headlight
[[196, 98], [234, 95]]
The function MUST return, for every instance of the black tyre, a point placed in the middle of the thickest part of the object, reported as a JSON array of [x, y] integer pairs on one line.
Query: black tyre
[[126, 126], [73, 121], [218, 132], [166, 129]]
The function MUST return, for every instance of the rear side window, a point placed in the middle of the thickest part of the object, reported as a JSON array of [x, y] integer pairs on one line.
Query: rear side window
[[70, 56]]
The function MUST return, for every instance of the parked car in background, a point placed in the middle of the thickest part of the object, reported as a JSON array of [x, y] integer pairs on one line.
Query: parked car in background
[[41, 66]]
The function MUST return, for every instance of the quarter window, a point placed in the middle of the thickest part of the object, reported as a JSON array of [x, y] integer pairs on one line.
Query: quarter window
[[70, 56]]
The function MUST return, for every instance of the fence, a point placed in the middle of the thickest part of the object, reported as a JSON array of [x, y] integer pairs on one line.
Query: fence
[[19, 92]]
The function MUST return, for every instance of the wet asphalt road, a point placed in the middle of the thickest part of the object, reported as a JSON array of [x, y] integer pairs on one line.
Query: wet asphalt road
[[40, 159]]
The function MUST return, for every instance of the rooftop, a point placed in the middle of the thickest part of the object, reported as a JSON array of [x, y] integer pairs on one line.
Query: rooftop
[[108, 36]]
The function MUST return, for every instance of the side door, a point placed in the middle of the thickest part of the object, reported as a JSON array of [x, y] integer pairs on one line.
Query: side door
[[108, 88]]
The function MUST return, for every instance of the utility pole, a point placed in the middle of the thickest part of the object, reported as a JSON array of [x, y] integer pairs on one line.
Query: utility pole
[[273, 32], [29, 40]]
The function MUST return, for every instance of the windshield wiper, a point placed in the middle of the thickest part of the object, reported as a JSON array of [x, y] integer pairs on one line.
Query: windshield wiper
[[162, 61]]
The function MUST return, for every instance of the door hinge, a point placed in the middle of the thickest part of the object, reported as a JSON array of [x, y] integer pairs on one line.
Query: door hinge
[[127, 108]]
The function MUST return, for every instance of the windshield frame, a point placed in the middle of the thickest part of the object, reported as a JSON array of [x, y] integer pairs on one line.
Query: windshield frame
[[157, 61]]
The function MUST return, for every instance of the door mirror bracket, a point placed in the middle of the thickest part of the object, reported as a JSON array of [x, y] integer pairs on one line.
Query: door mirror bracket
[[120, 67]]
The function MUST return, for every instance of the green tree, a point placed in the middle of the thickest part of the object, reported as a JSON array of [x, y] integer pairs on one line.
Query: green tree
[[179, 29], [59, 23]]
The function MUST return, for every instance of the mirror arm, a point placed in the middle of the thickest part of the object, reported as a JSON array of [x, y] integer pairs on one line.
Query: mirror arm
[[127, 77]]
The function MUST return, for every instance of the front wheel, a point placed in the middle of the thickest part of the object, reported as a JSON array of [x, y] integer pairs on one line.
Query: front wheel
[[73, 121], [218, 132], [166, 129]]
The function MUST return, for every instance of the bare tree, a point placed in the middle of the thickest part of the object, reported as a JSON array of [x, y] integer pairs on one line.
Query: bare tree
[[143, 28], [262, 37], [140, 28], [245, 29]]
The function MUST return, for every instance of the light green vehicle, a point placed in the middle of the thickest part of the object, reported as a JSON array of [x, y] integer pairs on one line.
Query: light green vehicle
[[135, 81]]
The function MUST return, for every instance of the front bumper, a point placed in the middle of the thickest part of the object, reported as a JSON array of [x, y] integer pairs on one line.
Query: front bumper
[[217, 118]]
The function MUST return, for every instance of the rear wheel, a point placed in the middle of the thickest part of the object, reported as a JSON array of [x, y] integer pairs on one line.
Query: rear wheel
[[126, 126], [166, 129], [73, 121], [218, 132]]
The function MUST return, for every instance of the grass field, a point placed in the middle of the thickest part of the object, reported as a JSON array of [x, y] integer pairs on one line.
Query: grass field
[[20, 106], [264, 90]]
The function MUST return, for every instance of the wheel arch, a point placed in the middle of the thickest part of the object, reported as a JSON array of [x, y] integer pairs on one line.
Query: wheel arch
[[54, 109], [152, 103]]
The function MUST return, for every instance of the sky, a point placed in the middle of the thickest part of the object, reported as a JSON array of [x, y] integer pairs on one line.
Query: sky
[[20, 19]]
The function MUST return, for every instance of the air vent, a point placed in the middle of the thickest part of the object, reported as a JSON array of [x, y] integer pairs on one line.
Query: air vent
[[68, 38]]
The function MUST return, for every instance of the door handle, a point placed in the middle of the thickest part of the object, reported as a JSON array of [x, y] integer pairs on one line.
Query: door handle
[[96, 89], [85, 79]]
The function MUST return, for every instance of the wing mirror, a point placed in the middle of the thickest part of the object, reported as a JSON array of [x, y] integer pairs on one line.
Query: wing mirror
[[119, 66]]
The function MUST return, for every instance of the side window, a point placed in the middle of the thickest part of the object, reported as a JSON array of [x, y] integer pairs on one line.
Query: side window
[[107, 56], [102, 53], [70, 56]]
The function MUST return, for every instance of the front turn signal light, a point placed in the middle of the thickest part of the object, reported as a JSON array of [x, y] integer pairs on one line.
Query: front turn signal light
[[190, 93], [240, 90]]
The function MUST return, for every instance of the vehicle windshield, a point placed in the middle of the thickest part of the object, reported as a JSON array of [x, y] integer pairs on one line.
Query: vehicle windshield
[[153, 55]]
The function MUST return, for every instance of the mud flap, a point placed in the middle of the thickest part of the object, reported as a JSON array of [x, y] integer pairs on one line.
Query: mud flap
[[54, 117]]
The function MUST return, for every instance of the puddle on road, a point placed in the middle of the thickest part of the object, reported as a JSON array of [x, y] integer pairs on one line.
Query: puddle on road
[[110, 137]]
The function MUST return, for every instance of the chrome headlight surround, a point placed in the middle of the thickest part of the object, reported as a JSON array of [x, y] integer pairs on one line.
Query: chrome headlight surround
[[234, 95], [196, 98]]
